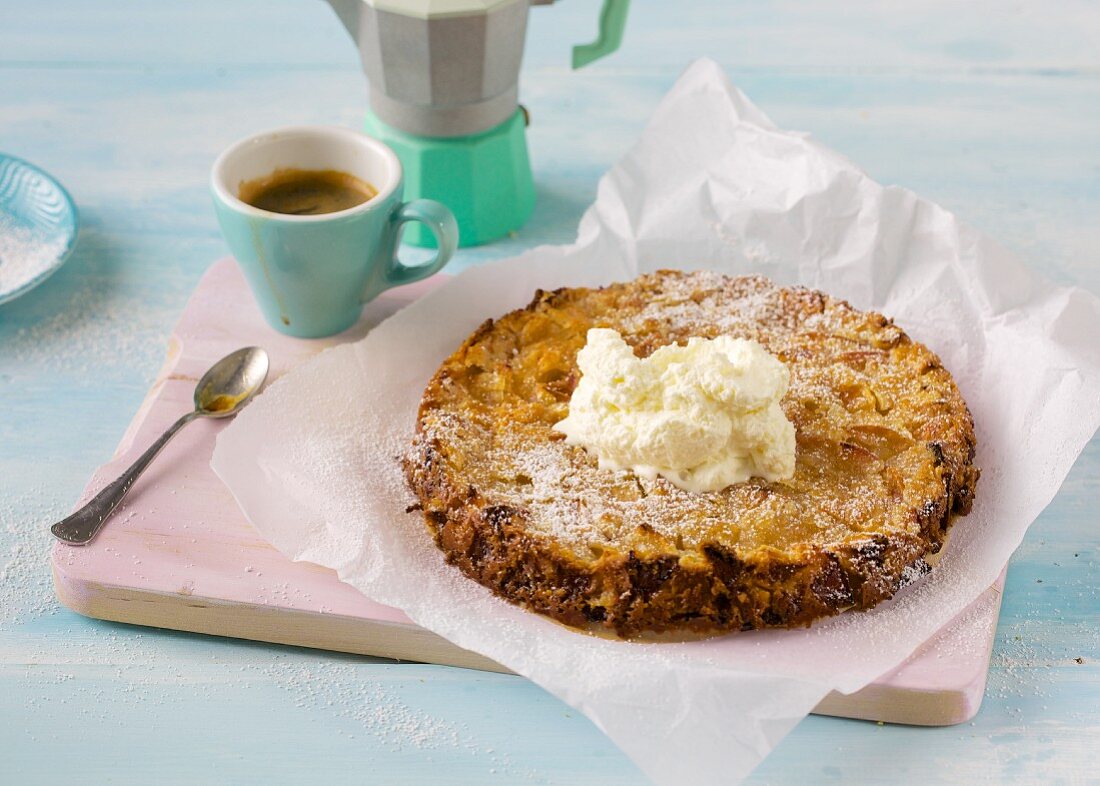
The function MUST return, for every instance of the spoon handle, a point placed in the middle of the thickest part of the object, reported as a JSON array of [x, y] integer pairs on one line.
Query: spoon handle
[[80, 527]]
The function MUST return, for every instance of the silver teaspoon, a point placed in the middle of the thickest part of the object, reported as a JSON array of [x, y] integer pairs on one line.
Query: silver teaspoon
[[222, 392]]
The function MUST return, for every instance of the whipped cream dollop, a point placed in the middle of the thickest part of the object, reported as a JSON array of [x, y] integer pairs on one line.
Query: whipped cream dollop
[[704, 416]]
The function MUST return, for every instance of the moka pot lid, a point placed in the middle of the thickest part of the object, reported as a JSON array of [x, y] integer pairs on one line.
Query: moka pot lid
[[438, 9]]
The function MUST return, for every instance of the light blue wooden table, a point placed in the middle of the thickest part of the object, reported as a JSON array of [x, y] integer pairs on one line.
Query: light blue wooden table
[[992, 109]]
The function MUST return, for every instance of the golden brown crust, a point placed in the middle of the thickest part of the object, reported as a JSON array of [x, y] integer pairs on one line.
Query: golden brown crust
[[885, 461]]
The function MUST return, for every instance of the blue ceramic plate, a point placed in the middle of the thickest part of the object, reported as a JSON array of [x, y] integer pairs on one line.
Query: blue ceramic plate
[[38, 225]]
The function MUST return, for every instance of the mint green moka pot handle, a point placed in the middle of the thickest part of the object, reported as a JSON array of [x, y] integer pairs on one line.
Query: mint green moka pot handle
[[612, 22]]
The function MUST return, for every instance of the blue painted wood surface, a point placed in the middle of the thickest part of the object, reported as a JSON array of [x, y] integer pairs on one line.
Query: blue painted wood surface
[[989, 108]]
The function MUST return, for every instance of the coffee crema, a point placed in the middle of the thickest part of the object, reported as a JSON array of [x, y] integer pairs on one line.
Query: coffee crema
[[305, 192]]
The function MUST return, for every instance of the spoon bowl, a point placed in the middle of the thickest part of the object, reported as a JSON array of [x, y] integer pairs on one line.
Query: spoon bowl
[[231, 383]]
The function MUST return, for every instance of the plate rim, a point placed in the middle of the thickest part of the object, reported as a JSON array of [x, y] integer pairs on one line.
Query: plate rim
[[73, 231]]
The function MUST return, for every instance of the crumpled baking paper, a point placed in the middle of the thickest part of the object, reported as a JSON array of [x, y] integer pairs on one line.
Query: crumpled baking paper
[[712, 183]]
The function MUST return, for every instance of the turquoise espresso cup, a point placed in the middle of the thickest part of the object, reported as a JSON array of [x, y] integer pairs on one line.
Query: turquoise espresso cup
[[311, 274]]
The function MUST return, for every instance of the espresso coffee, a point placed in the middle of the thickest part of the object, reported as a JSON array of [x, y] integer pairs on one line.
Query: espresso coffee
[[305, 192]]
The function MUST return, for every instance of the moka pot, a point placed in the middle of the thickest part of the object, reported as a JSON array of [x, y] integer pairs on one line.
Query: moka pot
[[444, 94]]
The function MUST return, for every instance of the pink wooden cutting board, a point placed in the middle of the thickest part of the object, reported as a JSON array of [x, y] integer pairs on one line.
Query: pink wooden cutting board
[[179, 553]]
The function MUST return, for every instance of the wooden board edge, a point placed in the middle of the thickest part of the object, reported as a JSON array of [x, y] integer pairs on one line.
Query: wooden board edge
[[398, 641], [294, 627], [905, 707], [943, 707]]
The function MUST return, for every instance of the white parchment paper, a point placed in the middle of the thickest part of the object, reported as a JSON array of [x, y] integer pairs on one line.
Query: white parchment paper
[[712, 183]]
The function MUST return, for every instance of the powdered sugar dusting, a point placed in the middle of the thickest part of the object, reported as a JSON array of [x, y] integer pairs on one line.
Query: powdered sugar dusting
[[858, 464], [562, 502]]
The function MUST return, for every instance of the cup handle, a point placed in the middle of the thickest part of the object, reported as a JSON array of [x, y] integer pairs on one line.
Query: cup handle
[[441, 221]]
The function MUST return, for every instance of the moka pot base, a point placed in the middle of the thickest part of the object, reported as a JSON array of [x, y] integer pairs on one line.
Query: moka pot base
[[485, 179]]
